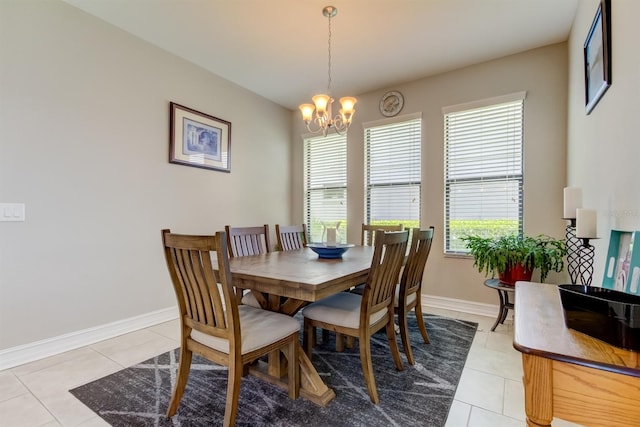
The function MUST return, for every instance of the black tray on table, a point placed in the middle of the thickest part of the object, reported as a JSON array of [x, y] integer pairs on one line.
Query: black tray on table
[[605, 314]]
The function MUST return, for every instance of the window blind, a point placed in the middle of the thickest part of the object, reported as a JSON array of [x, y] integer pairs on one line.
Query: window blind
[[325, 183], [393, 173], [483, 172]]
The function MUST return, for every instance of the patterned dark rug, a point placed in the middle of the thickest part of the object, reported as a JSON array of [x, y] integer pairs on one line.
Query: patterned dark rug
[[421, 395]]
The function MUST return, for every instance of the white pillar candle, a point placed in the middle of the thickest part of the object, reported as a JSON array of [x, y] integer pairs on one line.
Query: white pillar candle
[[586, 223], [331, 236], [572, 201]]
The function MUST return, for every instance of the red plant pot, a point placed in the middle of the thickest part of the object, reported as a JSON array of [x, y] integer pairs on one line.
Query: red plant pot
[[513, 273]]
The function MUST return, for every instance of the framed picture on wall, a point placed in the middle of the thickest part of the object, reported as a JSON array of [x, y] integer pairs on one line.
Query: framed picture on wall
[[198, 139], [597, 56]]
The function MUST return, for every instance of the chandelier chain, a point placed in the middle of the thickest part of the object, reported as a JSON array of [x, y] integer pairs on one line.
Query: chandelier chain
[[329, 68]]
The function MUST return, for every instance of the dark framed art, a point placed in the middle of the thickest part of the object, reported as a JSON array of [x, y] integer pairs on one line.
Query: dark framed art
[[597, 56], [198, 139]]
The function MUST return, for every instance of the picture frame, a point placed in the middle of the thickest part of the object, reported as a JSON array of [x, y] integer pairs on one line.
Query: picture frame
[[597, 56], [198, 139]]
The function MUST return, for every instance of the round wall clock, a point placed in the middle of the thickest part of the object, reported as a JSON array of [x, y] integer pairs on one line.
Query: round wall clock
[[391, 103]]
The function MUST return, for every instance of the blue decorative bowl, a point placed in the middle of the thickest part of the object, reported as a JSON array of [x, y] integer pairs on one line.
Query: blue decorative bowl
[[330, 252]]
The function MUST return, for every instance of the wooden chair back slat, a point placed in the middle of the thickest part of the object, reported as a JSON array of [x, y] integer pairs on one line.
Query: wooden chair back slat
[[245, 241], [291, 237], [367, 237]]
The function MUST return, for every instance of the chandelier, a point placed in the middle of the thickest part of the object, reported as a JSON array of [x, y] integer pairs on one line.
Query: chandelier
[[321, 119]]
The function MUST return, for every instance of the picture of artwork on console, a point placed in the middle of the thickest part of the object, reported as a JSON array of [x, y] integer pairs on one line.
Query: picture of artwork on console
[[622, 268]]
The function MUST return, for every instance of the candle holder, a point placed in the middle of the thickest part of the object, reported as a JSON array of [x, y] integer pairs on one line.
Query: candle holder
[[585, 261], [573, 248]]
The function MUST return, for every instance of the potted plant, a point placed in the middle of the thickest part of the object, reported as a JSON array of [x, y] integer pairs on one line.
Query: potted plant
[[515, 257]]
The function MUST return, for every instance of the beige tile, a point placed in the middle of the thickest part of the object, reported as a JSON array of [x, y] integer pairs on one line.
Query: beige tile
[[514, 400], [557, 422], [458, 414], [95, 422], [68, 410], [24, 411], [169, 329], [500, 342], [28, 368], [482, 418], [480, 339], [69, 374], [481, 389], [484, 322], [507, 365], [52, 424], [10, 386], [135, 347], [440, 312]]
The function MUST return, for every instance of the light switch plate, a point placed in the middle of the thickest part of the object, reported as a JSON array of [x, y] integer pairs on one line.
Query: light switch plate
[[12, 212]]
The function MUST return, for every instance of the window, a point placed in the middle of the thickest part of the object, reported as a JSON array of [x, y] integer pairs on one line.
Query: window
[[393, 173], [325, 186], [483, 169]]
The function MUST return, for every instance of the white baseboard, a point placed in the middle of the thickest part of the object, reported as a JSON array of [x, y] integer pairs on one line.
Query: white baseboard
[[26, 353], [471, 307], [19, 355]]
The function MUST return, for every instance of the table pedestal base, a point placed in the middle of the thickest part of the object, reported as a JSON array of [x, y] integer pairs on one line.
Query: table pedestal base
[[312, 387]]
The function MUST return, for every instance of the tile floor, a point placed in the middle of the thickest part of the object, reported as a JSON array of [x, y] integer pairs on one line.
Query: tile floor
[[490, 392]]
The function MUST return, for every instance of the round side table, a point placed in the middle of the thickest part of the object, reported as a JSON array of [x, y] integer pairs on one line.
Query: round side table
[[503, 293]]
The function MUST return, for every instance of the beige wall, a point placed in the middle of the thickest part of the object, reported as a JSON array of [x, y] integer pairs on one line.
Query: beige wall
[[542, 73], [84, 120], [604, 146]]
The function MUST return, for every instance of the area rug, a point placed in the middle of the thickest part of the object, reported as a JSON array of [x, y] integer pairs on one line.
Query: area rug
[[420, 395]]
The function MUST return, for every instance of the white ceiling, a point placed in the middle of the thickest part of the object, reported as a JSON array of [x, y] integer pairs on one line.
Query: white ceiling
[[278, 48]]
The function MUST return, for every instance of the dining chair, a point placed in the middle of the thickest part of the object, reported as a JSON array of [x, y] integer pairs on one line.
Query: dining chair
[[367, 237], [291, 237], [408, 294], [360, 316], [245, 241], [214, 326]]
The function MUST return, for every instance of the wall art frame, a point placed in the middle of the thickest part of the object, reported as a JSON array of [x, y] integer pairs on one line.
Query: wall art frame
[[597, 56], [198, 139]]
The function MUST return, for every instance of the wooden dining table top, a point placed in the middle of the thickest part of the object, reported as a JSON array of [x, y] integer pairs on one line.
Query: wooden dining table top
[[301, 274]]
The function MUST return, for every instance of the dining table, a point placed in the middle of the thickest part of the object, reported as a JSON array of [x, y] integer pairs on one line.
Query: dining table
[[286, 281]]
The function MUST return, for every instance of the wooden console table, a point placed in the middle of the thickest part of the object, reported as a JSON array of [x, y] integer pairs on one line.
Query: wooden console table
[[568, 374]]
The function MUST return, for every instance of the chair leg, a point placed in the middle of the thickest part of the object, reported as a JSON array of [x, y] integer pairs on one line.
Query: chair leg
[[393, 344], [420, 319], [367, 368], [325, 336], [308, 337], [350, 341], [339, 342], [404, 334], [233, 393], [293, 368], [181, 380]]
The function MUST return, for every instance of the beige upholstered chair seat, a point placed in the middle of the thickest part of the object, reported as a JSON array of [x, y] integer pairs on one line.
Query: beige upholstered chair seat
[[259, 328], [410, 298], [250, 300], [342, 309]]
